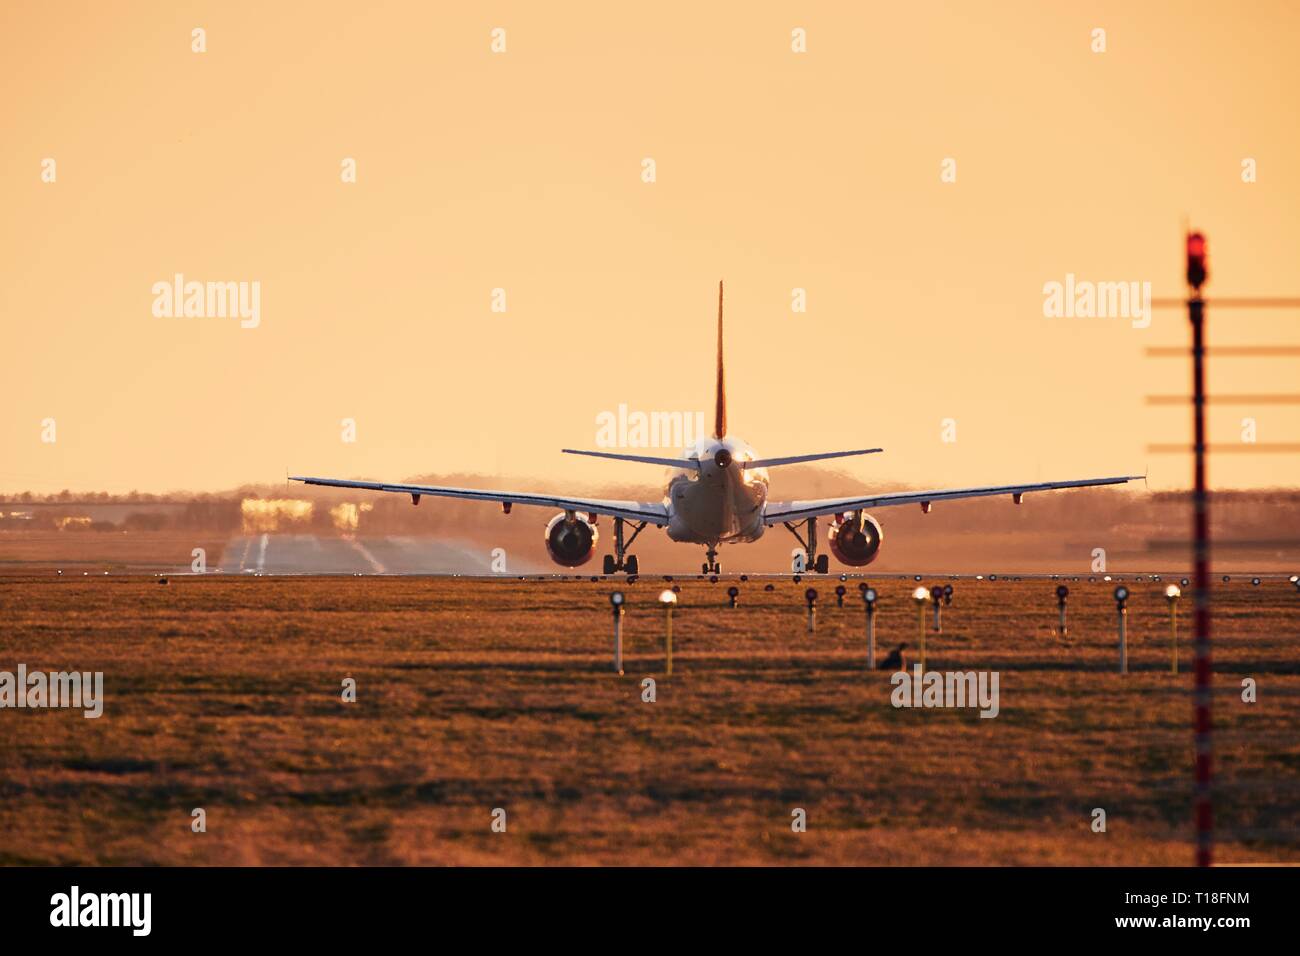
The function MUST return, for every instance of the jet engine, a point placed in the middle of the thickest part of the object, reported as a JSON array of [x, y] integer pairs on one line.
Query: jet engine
[[855, 538], [571, 541]]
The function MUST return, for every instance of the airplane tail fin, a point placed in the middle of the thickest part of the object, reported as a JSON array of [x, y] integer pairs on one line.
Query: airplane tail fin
[[720, 412]]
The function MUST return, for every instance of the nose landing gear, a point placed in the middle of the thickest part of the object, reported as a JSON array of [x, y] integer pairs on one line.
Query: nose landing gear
[[711, 564]]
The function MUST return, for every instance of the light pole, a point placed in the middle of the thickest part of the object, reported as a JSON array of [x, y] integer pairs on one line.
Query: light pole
[[1172, 594], [1121, 596], [616, 599], [668, 599], [1062, 592], [921, 596], [869, 598]]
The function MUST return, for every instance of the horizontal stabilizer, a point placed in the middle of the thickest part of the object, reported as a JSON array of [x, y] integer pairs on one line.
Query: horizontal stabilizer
[[799, 459], [645, 459]]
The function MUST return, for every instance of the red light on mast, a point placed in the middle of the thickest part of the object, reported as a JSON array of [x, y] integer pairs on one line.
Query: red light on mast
[[1196, 270]]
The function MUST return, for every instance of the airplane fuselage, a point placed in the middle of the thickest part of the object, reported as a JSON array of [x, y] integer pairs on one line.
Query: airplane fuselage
[[717, 503]]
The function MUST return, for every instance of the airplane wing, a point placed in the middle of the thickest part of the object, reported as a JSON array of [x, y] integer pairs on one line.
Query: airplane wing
[[799, 510], [647, 511]]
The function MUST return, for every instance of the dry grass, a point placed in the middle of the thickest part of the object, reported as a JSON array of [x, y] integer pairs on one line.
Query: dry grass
[[224, 694], [27, 552]]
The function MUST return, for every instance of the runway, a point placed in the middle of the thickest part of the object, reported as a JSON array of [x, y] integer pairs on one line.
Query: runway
[[309, 554]]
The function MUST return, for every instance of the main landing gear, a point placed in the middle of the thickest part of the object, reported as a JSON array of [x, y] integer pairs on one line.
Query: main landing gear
[[711, 564], [817, 563], [620, 560]]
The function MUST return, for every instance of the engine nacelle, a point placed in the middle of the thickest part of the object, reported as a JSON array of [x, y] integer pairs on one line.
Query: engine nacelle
[[571, 542], [855, 538]]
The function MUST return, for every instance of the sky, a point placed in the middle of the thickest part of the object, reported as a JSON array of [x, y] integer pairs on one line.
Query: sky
[[921, 171]]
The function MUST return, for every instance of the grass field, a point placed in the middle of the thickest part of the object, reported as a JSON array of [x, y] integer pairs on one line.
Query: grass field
[[225, 693]]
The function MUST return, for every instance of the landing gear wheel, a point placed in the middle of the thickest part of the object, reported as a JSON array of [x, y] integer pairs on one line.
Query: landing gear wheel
[[823, 564], [620, 560]]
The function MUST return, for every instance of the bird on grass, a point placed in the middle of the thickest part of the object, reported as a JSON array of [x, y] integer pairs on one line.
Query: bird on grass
[[895, 661]]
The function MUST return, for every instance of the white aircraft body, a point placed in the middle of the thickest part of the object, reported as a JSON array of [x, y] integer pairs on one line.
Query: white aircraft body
[[717, 494]]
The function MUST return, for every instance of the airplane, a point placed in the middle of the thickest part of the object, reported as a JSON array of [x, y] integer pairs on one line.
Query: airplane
[[717, 494]]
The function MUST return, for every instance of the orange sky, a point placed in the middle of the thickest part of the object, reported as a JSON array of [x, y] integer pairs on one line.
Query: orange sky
[[522, 171]]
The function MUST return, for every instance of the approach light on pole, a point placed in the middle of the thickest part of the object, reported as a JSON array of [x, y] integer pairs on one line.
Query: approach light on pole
[[839, 595], [921, 596], [616, 599], [811, 597], [1121, 596], [1172, 594], [869, 598], [668, 599], [936, 596], [733, 592], [947, 594], [1062, 592]]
